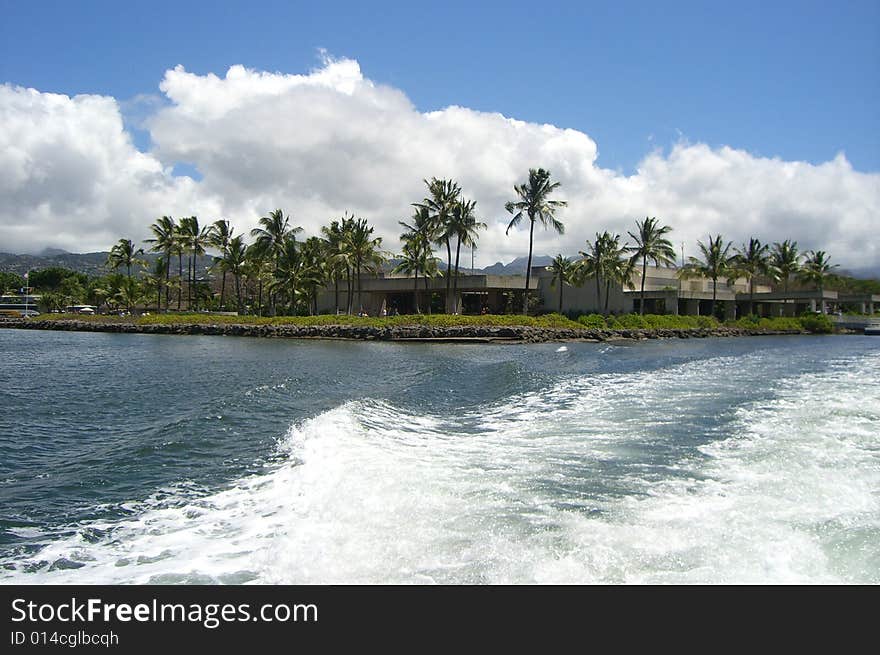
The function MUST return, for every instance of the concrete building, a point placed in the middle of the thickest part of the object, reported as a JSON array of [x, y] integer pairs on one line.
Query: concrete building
[[665, 293]]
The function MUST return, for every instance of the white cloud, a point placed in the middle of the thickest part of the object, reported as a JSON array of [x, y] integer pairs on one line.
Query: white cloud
[[319, 144]]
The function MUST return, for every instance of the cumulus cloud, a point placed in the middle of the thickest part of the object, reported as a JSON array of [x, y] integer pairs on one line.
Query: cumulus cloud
[[322, 143]]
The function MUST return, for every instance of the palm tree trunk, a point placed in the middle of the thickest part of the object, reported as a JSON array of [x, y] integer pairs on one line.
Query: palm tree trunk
[[238, 293], [598, 292], [714, 293], [428, 293], [416, 292], [448, 272], [607, 294], [360, 300], [455, 284], [179, 278], [529, 265], [336, 292], [751, 296], [561, 284], [260, 297], [223, 290], [167, 281], [642, 299]]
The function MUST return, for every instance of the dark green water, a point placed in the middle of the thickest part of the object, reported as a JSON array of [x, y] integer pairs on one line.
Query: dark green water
[[140, 458]]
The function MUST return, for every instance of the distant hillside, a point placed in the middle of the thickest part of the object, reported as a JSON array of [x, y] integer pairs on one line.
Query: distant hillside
[[517, 266], [91, 263]]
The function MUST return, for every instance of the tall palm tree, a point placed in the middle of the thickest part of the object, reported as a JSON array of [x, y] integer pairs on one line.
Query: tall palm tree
[[163, 241], [234, 261], [816, 267], [313, 273], [336, 268], [288, 269], [650, 244], [195, 239], [272, 234], [716, 262], [258, 268], [751, 261], [155, 280], [785, 261], [533, 202], [124, 254], [563, 270], [598, 260], [219, 237], [440, 203], [417, 246], [272, 237], [464, 226], [410, 264], [363, 250]]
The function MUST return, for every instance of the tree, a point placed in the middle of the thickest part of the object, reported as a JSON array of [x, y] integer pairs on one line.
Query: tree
[[716, 262], [650, 245], [272, 236], [816, 268], [155, 279], [464, 226], [417, 248], [599, 262], [563, 270], [219, 237], [336, 261], [785, 261], [441, 202], [194, 239], [751, 261], [164, 239], [534, 203], [233, 262], [363, 251], [124, 254]]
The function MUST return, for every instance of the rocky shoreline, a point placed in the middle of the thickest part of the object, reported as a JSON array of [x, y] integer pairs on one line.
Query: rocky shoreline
[[413, 333]]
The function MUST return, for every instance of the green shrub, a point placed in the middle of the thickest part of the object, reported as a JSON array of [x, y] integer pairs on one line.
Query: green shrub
[[817, 323], [593, 321], [631, 322]]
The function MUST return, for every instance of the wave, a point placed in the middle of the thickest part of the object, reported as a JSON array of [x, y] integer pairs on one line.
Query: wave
[[684, 474]]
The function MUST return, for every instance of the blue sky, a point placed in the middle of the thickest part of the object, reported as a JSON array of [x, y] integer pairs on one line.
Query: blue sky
[[795, 80], [717, 117]]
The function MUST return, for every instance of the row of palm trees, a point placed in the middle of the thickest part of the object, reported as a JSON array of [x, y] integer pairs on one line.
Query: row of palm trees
[[605, 259], [290, 272]]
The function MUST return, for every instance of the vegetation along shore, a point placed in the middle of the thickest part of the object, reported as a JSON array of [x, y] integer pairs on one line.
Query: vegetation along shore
[[487, 328]]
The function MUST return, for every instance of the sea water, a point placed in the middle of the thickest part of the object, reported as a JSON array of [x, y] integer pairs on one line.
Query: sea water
[[194, 459]]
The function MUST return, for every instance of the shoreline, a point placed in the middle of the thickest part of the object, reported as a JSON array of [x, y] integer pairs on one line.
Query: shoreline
[[403, 333]]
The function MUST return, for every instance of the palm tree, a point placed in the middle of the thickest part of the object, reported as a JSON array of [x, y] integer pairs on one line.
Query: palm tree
[[288, 267], [164, 230], [234, 261], [410, 264], [124, 254], [785, 261], [272, 236], [751, 261], [817, 266], [258, 267], [716, 262], [417, 246], [129, 293], [563, 270], [534, 202], [363, 251], [155, 279], [620, 269], [598, 261], [444, 195], [313, 272], [219, 237], [178, 247], [195, 239], [333, 236], [650, 245], [464, 226]]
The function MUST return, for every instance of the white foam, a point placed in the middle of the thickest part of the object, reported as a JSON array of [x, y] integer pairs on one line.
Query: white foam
[[369, 493]]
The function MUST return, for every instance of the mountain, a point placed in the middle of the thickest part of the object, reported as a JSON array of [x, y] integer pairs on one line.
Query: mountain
[[517, 266], [91, 263]]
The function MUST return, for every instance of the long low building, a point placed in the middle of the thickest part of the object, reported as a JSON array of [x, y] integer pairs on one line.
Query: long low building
[[665, 293]]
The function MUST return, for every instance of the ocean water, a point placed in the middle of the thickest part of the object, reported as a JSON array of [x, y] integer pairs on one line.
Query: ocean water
[[169, 459]]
